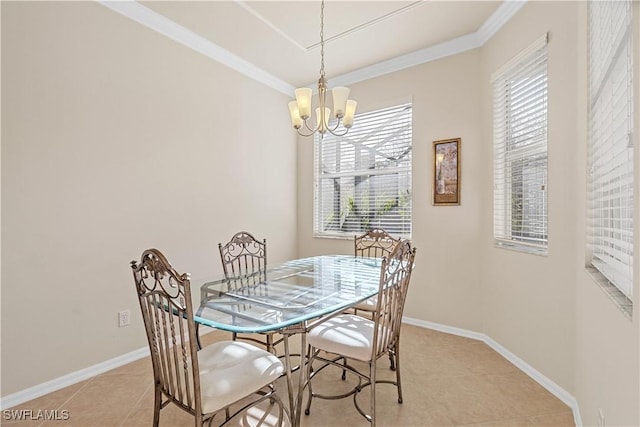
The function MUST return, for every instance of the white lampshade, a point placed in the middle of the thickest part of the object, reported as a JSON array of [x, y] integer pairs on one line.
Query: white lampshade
[[303, 97], [340, 95], [323, 121], [296, 121], [349, 113]]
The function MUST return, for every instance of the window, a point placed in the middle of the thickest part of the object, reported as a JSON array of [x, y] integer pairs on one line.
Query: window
[[520, 151], [363, 179], [610, 147]]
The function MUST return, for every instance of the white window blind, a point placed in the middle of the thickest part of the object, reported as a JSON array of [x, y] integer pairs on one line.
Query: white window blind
[[363, 179], [520, 151], [610, 149]]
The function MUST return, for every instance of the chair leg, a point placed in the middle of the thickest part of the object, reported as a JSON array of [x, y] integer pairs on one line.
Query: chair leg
[[270, 347], [396, 352], [198, 343], [372, 376], [344, 370], [156, 405], [310, 357], [392, 362]]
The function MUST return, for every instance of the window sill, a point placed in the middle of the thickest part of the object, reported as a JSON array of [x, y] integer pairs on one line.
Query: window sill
[[348, 236], [520, 247], [334, 236], [624, 304]]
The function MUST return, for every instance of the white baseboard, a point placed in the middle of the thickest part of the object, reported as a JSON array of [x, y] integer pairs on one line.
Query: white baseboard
[[538, 377], [86, 373], [56, 384], [70, 379]]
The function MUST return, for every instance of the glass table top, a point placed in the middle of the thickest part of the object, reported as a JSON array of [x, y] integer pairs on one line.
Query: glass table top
[[287, 294]]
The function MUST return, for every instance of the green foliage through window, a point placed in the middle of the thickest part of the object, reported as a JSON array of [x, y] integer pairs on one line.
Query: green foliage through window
[[363, 179]]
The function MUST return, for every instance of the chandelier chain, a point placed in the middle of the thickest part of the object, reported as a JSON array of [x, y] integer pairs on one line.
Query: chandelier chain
[[343, 108], [322, 39]]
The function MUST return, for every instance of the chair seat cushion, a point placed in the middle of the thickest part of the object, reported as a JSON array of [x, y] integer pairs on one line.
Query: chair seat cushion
[[367, 305], [348, 335], [232, 370]]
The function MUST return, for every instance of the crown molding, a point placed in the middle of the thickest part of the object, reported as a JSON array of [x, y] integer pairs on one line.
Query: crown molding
[[442, 50], [461, 44], [157, 22], [501, 16], [186, 37]]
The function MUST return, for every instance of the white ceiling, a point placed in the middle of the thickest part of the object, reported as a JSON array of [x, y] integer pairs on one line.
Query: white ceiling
[[277, 42]]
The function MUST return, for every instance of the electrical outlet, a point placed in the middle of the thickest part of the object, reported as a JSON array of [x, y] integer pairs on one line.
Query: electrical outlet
[[124, 317], [600, 418]]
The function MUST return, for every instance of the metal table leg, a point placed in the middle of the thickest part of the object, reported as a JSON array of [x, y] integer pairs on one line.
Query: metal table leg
[[295, 396]]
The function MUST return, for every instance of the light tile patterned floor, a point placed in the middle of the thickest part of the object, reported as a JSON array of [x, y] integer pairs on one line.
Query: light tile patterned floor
[[447, 381]]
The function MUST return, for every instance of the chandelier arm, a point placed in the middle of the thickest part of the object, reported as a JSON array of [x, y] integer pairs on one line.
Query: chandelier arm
[[312, 130], [332, 132], [322, 118], [338, 120], [305, 134]]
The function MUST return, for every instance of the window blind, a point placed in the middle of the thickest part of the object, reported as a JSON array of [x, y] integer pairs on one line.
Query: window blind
[[520, 151], [363, 179], [610, 148]]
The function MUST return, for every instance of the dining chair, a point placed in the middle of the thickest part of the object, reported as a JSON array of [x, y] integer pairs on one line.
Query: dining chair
[[356, 338], [217, 379], [244, 259], [243, 255], [375, 243]]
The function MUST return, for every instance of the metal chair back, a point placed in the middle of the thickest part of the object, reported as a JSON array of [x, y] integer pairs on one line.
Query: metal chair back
[[394, 282], [165, 301], [244, 262], [243, 255], [374, 243], [336, 340]]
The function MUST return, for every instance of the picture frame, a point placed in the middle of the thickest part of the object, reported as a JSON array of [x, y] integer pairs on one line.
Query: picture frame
[[446, 172]]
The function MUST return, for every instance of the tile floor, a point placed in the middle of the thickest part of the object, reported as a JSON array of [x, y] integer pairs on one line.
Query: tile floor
[[447, 381]]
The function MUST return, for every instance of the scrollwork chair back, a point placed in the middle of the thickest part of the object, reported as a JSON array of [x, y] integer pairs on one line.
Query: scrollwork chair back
[[165, 301], [231, 372], [244, 262], [394, 283], [243, 255], [374, 243], [365, 340]]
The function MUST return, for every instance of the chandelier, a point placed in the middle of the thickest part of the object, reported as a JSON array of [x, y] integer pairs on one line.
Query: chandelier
[[343, 109]]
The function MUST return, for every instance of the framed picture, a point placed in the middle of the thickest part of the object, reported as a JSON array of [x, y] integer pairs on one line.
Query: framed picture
[[446, 172]]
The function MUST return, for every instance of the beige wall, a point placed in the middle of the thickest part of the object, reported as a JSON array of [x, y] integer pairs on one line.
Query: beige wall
[[607, 343], [529, 300], [546, 310], [445, 96], [116, 139]]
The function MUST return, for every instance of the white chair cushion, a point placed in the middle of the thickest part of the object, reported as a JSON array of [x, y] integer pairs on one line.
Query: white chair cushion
[[368, 304], [347, 335], [232, 370]]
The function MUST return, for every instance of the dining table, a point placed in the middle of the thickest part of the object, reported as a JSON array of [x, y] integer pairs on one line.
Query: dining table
[[288, 298]]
